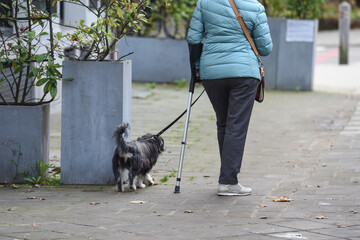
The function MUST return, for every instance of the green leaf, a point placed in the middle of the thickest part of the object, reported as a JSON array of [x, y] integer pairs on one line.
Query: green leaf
[[35, 70], [1, 66], [40, 58], [2, 85], [42, 81], [53, 91], [5, 6]]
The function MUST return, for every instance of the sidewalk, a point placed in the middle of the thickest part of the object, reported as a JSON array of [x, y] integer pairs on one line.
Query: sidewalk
[[302, 145]]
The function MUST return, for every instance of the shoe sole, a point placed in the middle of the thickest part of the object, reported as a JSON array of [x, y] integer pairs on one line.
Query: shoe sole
[[233, 194]]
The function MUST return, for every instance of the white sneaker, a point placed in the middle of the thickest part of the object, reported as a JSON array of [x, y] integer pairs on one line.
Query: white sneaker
[[233, 190]]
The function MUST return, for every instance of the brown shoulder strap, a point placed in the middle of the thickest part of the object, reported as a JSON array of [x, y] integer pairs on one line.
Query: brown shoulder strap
[[243, 26]]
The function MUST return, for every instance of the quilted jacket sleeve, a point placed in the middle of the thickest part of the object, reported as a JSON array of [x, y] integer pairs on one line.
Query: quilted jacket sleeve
[[196, 29], [262, 37]]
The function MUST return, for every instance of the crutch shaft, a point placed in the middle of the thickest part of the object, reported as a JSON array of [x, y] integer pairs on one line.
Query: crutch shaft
[[183, 145]]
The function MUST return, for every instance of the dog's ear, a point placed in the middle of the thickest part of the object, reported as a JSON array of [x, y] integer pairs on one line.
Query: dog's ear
[[160, 141]]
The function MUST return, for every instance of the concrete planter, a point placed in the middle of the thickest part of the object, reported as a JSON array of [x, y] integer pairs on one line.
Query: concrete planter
[[157, 59], [93, 104], [290, 66], [24, 130]]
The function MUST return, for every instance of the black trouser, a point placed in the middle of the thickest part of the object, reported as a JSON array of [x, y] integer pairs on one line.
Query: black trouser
[[233, 101]]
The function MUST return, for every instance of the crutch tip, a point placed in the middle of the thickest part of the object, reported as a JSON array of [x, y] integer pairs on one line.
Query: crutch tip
[[177, 189]]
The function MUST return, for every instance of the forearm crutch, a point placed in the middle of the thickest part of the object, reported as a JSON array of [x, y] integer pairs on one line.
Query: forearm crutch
[[195, 53]]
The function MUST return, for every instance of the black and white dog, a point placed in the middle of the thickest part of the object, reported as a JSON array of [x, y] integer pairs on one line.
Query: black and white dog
[[135, 159]]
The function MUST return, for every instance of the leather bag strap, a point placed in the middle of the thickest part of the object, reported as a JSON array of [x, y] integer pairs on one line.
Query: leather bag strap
[[244, 28]]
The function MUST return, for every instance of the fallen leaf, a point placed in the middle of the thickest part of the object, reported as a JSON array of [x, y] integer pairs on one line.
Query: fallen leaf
[[155, 171], [206, 176], [321, 217], [154, 184], [353, 211], [137, 202], [263, 217], [14, 186], [42, 199], [342, 226], [283, 199], [188, 211], [35, 224], [12, 209], [309, 186], [31, 197], [318, 186], [94, 203], [56, 170]]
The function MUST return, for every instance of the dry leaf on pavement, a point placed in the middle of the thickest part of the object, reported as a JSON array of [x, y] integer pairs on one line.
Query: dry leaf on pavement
[[31, 197], [283, 199], [137, 202], [264, 217], [188, 211], [321, 217], [94, 203]]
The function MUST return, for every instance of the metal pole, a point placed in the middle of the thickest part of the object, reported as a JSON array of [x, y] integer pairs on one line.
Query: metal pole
[[183, 144], [344, 29]]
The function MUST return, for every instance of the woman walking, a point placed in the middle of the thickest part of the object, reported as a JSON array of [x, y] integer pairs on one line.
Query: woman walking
[[229, 71]]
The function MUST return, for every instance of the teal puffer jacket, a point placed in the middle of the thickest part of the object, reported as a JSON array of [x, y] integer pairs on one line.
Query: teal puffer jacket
[[226, 51]]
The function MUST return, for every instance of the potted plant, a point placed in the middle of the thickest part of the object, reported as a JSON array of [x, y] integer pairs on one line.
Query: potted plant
[[293, 26], [99, 96], [163, 39], [28, 83]]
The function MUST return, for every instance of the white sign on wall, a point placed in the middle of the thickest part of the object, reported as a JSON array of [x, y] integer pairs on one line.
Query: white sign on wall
[[300, 31]]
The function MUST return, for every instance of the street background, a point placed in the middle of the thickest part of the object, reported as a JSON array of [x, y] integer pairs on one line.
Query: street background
[[301, 145]]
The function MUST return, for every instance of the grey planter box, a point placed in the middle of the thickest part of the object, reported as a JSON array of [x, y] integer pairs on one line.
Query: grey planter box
[[25, 130], [289, 67], [157, 59], [93, 104]]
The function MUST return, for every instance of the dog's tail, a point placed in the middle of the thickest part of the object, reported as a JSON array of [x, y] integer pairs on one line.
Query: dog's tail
[[119, 134]]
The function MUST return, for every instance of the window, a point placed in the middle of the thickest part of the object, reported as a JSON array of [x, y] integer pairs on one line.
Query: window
[[41, 5]]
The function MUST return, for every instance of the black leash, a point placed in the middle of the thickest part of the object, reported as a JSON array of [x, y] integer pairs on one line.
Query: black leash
[[177, 119]]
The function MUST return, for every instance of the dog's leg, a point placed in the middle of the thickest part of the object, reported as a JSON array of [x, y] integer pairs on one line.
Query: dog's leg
[[140, 180], [119, 181], [131, 180], [125, 176], [149, 179]]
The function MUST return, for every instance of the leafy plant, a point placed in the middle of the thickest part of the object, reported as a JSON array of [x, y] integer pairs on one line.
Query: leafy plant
[[114, 19], [151, 85], [164, 179], [304, 9], [27, 55], [181, 83], [171, 17], [42, 176]]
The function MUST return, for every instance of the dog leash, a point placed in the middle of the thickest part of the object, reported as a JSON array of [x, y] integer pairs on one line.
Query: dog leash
[[177, 119]]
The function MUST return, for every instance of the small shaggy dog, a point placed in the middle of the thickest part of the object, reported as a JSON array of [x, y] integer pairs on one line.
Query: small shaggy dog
[[135, 158]]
